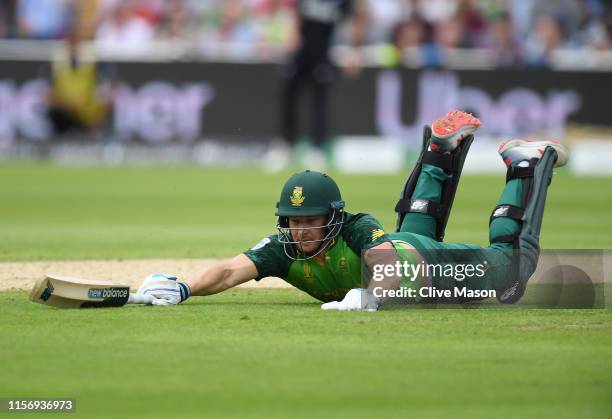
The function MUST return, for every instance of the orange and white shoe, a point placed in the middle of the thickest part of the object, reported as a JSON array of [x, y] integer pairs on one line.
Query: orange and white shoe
[[449, 130], [515, 151]]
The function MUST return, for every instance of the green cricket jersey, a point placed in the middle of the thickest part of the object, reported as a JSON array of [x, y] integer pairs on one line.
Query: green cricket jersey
[[330, 276]]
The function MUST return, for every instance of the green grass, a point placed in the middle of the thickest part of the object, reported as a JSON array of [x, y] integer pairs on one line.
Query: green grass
[[49, 212], [275, 354]]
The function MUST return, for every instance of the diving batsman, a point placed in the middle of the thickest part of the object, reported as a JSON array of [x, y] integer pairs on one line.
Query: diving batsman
[[323, 250]]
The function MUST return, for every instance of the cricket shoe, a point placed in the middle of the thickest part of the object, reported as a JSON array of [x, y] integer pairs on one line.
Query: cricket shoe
[[449, 130], [514, 152]]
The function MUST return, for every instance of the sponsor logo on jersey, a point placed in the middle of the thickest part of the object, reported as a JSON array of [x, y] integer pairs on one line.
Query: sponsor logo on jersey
[[377, 234], [297, 197], [308, 275], [261, 244]]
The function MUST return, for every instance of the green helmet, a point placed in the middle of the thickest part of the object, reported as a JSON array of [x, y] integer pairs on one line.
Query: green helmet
[[309, 194]]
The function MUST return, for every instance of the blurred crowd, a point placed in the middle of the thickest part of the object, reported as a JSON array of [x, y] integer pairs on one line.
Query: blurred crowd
[[518, 32]]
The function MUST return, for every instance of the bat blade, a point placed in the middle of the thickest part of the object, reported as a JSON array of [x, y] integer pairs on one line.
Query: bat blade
[[72, 292]]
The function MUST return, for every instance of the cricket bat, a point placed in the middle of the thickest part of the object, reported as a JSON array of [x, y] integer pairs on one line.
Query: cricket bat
[[71, 292]]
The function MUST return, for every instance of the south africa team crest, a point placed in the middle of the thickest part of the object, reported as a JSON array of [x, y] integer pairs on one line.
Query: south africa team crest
[[297, 197]]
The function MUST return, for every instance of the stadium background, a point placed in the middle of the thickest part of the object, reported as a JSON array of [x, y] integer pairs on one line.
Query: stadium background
[[199, 81]]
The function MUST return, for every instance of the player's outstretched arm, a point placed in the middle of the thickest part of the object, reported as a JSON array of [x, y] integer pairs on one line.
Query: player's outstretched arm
[[222, 275], [162, 289]]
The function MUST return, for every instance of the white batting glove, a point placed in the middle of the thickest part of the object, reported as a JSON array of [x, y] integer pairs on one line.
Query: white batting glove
[[164, 289], [357, 299]]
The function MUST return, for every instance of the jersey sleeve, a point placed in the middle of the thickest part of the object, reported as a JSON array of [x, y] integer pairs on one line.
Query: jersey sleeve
[[269, 258], [362, 232]]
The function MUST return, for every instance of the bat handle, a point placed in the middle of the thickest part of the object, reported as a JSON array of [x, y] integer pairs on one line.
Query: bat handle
[[140, 299]]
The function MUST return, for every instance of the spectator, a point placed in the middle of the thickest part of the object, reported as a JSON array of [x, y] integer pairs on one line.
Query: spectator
[[436, 11], [234, 26], [386, 16], [8, 18], [501, 41], [567, 13], [273, 19], [594, 30], [229, 30], [412, 39], [450, 33], [474, 25], [522, 17], [413, 33], [176, 22], [75, 102], [150, 10], [547, 36], [513, 29], [43, 19], [125, 28]]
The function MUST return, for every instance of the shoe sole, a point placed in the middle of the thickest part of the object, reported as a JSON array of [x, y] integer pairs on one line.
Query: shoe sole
[[562, 154], [469, 127], [461, 133]]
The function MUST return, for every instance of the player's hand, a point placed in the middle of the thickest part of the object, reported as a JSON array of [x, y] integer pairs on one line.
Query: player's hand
[[357, 299], [164, 289]]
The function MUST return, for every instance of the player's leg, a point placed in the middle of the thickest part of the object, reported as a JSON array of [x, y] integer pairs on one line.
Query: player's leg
[[468, 260], [514, 229], [428, 194], [516, 221]]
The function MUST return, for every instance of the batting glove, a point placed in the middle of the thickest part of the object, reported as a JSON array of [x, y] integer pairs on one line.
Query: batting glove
[[165, 289], [357, 299]]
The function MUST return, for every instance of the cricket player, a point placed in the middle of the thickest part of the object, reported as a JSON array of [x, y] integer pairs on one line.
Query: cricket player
[[320, 247]]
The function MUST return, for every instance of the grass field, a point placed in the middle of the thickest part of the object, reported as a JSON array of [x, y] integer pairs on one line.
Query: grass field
[[77, 213], [274, 353]]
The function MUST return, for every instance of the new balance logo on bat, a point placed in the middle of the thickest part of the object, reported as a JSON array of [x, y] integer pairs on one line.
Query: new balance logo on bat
[[107, 293]]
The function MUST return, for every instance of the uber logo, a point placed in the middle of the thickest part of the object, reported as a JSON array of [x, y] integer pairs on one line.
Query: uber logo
[[159, 112]]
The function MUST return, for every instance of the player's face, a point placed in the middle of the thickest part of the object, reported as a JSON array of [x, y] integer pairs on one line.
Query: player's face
[[308, 229]]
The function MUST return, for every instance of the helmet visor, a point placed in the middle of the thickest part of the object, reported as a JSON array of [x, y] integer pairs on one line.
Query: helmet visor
[[294, 249]]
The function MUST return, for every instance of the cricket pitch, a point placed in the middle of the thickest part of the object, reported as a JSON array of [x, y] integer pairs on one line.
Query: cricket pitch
[[21, 276]]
